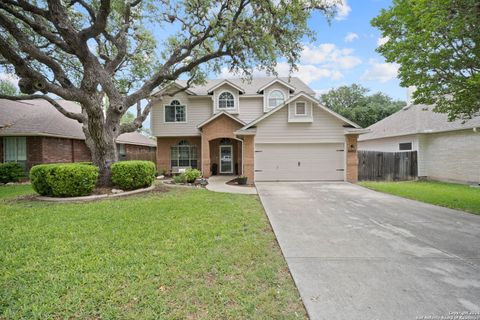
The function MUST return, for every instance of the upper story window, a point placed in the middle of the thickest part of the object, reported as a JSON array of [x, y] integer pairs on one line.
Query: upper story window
[[405, 146], [300, 109], [275, 98], [226, 100], [175, 112]]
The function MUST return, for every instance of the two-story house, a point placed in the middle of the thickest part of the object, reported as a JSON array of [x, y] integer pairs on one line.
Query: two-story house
[[267, 129]]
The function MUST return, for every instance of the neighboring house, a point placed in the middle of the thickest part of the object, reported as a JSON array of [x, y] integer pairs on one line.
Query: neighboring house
[[33, 132], [268, 129], [447, 151]]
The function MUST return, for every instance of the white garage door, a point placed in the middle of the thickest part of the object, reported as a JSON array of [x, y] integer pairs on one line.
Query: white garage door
[[299, 162]]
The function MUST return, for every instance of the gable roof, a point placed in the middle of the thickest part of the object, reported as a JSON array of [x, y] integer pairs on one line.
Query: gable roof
[[39, 118], [227, 82], [173, 84], [295, 97], [215, 116], [276, 80], [415, 119], [248, 87]]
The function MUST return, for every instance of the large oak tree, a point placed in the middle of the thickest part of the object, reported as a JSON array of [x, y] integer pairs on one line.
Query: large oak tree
[[437, 45], [104, 54]]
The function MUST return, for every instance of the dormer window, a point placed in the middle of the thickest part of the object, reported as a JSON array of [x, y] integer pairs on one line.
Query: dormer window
[[275, 98], [226, 100], [300, 109]]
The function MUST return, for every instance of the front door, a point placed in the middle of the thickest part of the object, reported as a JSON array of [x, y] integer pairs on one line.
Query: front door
[[226, 155]]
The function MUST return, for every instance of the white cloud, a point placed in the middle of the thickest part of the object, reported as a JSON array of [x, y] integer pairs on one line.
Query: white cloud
[[343, 9], [382, 40], [381, 72], [351, 36], [307, 72], [330, 55], [325, 61]]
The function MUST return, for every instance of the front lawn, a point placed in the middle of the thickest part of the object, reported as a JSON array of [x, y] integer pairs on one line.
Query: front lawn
[[182, 254], [450, 195]]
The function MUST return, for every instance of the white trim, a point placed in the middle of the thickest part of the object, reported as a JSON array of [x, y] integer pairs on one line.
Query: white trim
[[274, 81], [304, 105], [215, 116], [268, 107], [313, 100], [181, 105], [220, 157], [221, 83], [235, 105]]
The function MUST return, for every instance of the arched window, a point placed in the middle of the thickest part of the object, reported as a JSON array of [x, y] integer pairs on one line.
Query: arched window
[[226, 100], [275, 98], [175, 112], [184, 154]]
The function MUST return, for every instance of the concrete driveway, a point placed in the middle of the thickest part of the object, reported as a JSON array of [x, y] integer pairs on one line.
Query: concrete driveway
[[359, 254]]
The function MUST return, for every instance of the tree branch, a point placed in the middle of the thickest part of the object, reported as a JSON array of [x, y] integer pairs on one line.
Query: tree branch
[[72, 115]]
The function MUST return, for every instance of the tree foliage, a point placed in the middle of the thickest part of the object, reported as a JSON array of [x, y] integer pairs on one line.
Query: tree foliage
[[7, 88], [104, 54], [437, 44], [353, 103]]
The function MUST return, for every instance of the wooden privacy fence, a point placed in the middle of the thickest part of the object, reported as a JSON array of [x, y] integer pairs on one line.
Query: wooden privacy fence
[[387, 166]]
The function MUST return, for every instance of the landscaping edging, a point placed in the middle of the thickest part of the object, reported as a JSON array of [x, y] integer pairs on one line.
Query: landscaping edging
[[95, 197]]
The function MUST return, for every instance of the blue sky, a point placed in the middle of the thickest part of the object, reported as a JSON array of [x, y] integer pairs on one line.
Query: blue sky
[[344, 52], [356, 40]]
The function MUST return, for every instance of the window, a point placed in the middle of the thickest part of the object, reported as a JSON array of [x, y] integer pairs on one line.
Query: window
[[122, 154], [226, 101], [275, 99], [175, 112], [405, 146], [184, 154], [15, 150], [300, 109]]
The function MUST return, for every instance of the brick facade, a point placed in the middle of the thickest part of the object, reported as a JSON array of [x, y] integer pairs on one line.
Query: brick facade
[[61, 150], [221, 127], [164, 151], [352, 158]]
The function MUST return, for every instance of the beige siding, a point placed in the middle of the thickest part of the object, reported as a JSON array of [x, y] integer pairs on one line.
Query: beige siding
[[198, 110], [453, 156], [324, 128], [250, 109], [388, 144]]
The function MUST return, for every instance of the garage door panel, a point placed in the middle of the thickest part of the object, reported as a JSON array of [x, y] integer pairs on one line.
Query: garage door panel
[[299, 162]]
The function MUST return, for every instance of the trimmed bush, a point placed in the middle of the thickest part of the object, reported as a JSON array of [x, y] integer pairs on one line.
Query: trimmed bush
[[64, 179], [192, 174], [134, 174], [10, 172], [180, 178]]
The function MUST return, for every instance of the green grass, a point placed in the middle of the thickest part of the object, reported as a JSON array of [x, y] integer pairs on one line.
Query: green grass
[[183, 254], [450, 195]]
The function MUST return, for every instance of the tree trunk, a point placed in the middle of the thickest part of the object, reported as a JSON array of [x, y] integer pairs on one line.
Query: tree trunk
[[100, 136]]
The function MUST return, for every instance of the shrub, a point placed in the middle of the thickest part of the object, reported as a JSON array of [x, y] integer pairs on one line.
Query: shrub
[[64, 179], [180, 178], [10, 172], [192, 174], [134, 174]]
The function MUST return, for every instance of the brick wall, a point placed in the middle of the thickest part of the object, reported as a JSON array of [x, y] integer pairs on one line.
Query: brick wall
[[352, 158], [81, 153], [163, 151], [57, 150], [136, 152], [34, 151]]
